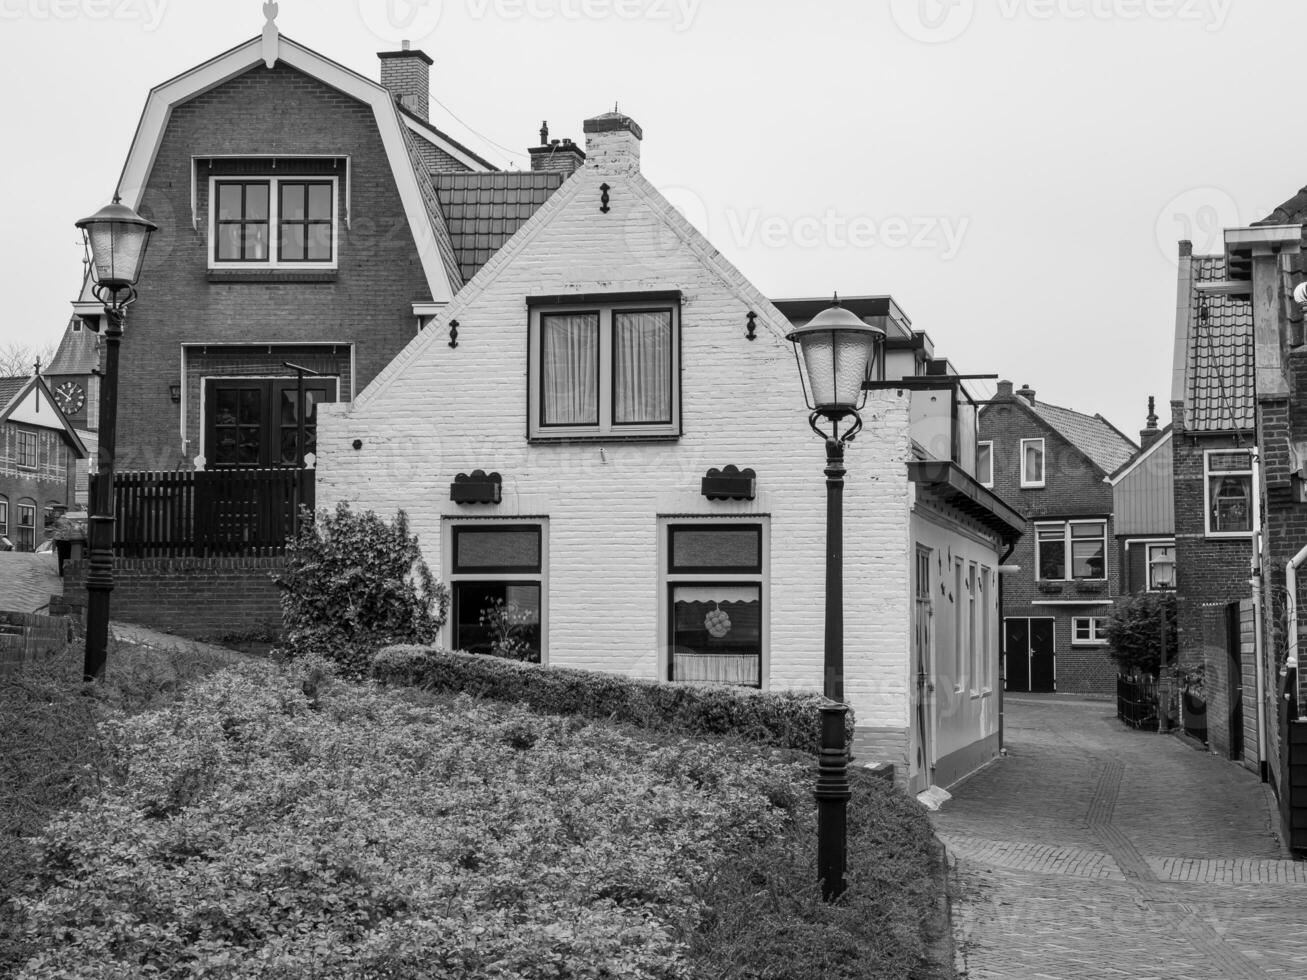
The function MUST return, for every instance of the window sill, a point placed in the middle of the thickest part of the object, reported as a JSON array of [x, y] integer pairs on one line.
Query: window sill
[[1088, 644], [576, 438], [1034, 486], [1228, 535], [271, 275]]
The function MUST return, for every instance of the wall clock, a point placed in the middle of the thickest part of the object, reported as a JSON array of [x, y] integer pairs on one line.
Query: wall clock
[[69, 397]]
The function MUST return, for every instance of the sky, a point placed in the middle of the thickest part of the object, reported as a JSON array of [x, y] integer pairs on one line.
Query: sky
[[1016, 173]]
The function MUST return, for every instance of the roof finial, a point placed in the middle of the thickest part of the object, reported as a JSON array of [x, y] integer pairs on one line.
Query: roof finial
[[544, 133], [38, 367], [614, 105], [1152, 412], [836, 301], [271, 36]]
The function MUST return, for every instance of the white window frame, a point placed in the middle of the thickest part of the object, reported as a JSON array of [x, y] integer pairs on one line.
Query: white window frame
[[4, 517], [1149, 546], [987, 609], [26, 438], [1254, 497], [667, 579], [1095, 627], [274, 222], [1066, 544], [450, 524], [31, 506], [973, 624], [605, 428], [959, 634], [1026, 482], [980, 477]]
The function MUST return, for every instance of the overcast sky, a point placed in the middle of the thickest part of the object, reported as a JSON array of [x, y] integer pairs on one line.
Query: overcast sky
[[1016, 173]]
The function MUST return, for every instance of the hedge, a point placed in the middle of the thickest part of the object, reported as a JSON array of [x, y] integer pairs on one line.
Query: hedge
[[785, 719]]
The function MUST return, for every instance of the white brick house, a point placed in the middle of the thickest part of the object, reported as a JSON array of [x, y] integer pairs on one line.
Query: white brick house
[[602, 539]]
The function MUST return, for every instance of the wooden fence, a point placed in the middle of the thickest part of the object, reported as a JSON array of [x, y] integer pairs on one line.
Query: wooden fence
[[206, 514]]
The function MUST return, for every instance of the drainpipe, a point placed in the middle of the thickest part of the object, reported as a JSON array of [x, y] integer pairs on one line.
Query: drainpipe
[[1291, 585], [1259, 657]]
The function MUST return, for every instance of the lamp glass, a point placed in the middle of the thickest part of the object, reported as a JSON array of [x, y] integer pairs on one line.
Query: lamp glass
[[116, 237], [837, 362]]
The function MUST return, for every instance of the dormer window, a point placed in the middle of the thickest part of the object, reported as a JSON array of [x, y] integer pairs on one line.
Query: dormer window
[[273, 222]]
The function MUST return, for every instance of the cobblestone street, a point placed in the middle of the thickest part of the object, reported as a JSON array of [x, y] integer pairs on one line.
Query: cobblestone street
[[1093, 851]]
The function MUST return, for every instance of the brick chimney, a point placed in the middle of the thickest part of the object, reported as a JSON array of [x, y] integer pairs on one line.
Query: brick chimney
[[612, 143], [1004, 389], [1026, 392], [1151, 434], [407, 73], [556, 156]]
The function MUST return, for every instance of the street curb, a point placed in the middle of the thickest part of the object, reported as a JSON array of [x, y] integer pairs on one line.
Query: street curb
[[941, 952]]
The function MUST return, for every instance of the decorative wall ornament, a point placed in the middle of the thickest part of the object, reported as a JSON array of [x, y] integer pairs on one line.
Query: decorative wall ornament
[[603, 198], [729, 483], [271, 36], [478, 487], [752, 328], [453, 333]]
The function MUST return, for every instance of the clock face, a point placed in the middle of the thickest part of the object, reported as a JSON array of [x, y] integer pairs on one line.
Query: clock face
[[70, 397]]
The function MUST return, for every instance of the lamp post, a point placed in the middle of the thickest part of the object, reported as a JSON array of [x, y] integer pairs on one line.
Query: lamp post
[[839, 354], [116, 238]]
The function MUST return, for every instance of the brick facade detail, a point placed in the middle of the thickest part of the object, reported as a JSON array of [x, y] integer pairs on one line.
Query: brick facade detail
[[200, 598]]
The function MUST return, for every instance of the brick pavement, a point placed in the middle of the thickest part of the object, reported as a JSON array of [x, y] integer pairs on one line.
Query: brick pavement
[[1093, 851]]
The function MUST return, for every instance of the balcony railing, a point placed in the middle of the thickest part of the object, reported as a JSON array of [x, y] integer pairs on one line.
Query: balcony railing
[[218, 513]]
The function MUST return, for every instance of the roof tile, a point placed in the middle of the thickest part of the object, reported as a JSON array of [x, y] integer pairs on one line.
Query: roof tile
[[1219, 370], [1093, 435], [485, 210]]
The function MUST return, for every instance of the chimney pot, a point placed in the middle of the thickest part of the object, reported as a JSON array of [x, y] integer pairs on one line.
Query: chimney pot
[[1027, 392], [556, 156]]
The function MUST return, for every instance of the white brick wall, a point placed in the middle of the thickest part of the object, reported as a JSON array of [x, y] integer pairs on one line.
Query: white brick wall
[[436, 412]]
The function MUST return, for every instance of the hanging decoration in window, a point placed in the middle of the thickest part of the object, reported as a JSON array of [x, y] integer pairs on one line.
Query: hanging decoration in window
[[717, 623]]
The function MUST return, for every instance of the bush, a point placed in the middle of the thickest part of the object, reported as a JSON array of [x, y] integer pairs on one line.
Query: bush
[[782, 719], [281, 823], [354, 584], [1135, 632]]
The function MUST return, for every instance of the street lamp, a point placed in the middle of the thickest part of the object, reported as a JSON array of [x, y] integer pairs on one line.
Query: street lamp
[[116, 238], [839, 354]]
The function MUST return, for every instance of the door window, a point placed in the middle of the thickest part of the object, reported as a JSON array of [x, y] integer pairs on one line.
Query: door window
[[255, 422]]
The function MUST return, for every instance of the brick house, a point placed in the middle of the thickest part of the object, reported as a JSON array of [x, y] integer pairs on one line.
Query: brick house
[[1217, 507], [39, 451], [1052, 464], [299, 222], [591, 384], [73, 376]]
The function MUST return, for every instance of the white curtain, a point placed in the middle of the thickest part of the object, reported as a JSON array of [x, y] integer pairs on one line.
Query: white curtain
[[642, 367], [716, 668], [570, 374]]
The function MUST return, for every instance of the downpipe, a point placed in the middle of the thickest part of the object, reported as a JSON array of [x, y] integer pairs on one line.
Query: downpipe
[[1255, 582]]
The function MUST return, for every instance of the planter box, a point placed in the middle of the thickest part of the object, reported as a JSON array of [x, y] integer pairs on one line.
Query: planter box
[[476, 488], [729, 483]]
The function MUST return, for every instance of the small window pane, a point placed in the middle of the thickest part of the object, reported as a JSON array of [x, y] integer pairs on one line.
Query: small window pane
[[292, 243], [642, 367], [320, 202], [1088, 530], [717, 549], [1034, 467], [1229, 462], [319, 243], [256, 202], [985, 463], [497, 549], [1052, 559], [292, 202], [229, 243], [717, 634], [229, 202], [1231, 503], [569, 354], [251, 405], [1087, 559]]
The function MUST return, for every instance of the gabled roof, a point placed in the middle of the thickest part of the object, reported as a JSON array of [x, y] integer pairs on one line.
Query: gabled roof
[[1093, 435], [78, 353], [1133, 463], [1219, 380], [483, 211], [14, 407], [425, 221]]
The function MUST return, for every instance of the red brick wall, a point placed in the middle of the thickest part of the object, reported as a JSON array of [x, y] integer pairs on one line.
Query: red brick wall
[[367, 301], [1074, 488], [202, 598]]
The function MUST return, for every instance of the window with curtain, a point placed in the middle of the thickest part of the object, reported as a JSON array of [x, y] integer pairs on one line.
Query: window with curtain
[[714, 582], [1032, 463], [1230, 500], [1071, 550], [497, 572], [985, 464], [605, 370]]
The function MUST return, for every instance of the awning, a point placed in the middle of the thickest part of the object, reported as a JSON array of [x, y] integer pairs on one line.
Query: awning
[[951, 485]]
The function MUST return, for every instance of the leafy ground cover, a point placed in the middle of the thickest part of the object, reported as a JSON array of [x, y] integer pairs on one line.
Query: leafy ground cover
[[278, 822]]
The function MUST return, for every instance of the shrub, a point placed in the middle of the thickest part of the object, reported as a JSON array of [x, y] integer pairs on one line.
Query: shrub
[[782, 719], [1136, 630], [353, 584]]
